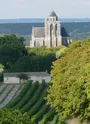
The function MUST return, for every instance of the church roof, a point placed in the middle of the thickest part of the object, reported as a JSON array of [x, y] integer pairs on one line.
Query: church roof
[[39, 32], [64, 32], [53, 14]]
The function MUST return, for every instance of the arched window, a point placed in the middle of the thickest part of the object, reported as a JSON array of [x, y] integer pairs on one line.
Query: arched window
[[56, 42], [50, 42], [51, 28], [38, 43], [56, 30], [35, 43], [43, 43]]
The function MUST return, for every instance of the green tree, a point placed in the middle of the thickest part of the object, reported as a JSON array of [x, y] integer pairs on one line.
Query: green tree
[[69, 93], [33, 63], [11, 49], [11, 39], [61, 52], [23, 77]]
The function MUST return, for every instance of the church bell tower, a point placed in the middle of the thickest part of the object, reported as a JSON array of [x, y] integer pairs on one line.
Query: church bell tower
[[53, 36]]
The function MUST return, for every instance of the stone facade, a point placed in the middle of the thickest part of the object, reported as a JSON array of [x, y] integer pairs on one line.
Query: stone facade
[[35, 76], [52, 35]]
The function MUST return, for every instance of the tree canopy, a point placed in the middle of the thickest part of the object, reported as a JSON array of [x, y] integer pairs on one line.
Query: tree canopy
[[11, 49], [69, 93], [38, 59]]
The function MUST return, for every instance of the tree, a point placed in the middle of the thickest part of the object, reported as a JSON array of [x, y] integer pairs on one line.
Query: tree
[[11, 49], [69, 93], [33, 63], [42, 51], [23, 77], [11, 39], [61, 52]]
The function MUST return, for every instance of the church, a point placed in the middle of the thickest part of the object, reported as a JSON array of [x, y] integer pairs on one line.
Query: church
[[52, 35]]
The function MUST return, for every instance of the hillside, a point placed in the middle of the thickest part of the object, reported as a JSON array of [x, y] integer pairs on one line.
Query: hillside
[[38, 20], [77, 30]]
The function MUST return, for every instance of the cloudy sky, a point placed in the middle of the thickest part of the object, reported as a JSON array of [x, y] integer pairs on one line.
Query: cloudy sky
[[42, 8]]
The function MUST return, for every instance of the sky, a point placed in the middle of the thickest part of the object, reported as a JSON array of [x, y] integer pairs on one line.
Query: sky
[[42, 8]]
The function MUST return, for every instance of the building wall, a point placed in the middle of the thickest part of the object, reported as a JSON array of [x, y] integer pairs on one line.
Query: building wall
[[66, 41], [53, 36], [37, 42], [34, 78], [13, 80]]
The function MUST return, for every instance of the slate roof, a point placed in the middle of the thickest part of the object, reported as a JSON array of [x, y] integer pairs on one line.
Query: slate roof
[[64, 32], [39, 32], [53, 14], [37, 74]]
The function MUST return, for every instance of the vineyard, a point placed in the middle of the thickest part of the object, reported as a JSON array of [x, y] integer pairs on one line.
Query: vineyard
[[8, 92], [30, 99]]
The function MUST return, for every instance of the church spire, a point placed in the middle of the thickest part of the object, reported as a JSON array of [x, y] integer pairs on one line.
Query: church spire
[[53, 14]]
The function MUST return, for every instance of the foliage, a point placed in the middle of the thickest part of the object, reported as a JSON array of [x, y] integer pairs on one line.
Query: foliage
[[49, 115], [8, 116], [1, 76], [41, 51], [11, 39], [33, 63], [39, 114], [27, 96], [32, 101], [11, 49], [21, 95], [74, 45], [1, 66], [61, 52], [38, 104], [22, 76], [16, 58], [69, 93]]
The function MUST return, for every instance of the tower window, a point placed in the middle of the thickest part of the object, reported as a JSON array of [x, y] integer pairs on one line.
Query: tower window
[[35, 43], [53, 19], [43, 43], [56, 30], [50, 19], [51, 28]]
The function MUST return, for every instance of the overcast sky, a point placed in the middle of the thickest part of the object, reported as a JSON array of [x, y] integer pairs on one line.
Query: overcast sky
[[42, 8]]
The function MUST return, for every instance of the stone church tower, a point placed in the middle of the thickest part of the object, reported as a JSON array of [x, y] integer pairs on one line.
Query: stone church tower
[[53, 31], [52, 35]]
